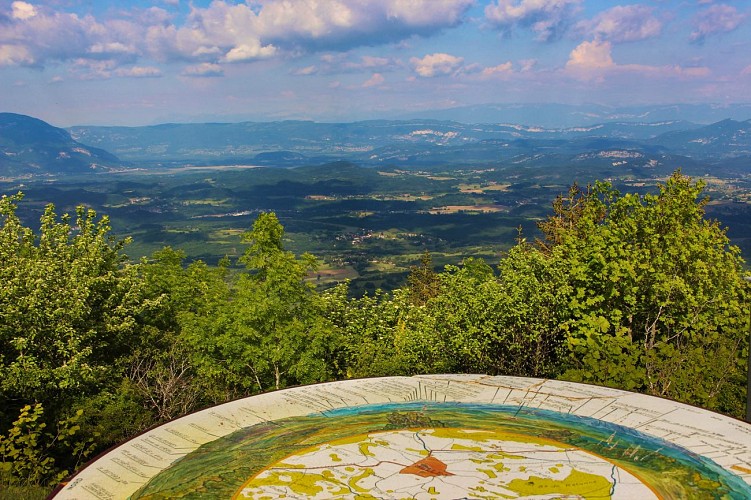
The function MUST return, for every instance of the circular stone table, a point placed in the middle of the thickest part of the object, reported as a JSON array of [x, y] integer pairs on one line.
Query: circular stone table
[[432, 436]]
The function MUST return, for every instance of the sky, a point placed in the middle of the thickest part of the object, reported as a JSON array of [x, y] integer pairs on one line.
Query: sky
[[106, 62]]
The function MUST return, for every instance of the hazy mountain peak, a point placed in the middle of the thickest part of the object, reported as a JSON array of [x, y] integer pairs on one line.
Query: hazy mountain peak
[[29, 145]]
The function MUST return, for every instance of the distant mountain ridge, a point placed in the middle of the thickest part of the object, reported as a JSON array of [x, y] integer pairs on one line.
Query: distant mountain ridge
[[31, 146], [581, 115], [726, 138], [290, 141]]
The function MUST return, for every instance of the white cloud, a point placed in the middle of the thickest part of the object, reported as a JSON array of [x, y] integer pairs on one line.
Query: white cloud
[[366, 63], [139, 72], [593, 61], [501, 69], [12, 55], [221, 31], [374, 81], [305, 18], [249, 51], [623, 23], [307, 70], [589, 55], [427, 12], [93, 69], [436, 65], [303, 25], [207, 52], [719, 18], [374, 62], [547, 18], [112, 49], [145, 17], [527, 65], [344, 63], [22, 10], [203, 70], [43, 35]]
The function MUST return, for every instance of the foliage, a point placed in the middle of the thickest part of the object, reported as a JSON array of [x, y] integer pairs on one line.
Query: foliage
[[27, 453], [423, 281], [637, 292], [657, 300], [483, 323], [69, 314], [31, 492], [64, 302], [163, 370], [640, 292], [369, 328], [114, 414], [272, 332], [478, 323]]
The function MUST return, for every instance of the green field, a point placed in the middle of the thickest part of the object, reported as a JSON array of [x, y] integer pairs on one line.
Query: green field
[[364, 224]]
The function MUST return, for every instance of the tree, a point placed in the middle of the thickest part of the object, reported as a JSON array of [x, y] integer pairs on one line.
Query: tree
[[272, 333], [483, 323], [369, 329], [423, 280], [66, 305], [658, 296], [476, 322], [162, 370], [68, 316]]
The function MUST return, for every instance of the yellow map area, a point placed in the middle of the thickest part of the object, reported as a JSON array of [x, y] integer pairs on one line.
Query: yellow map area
[[443, 463]]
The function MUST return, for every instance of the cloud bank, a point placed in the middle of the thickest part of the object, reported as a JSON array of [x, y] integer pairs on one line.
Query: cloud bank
[[716, 19], [221, 32], [547, 18], [623, 23]]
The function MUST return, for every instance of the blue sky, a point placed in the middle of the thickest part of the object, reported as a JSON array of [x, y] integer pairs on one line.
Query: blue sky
[[143, 62]]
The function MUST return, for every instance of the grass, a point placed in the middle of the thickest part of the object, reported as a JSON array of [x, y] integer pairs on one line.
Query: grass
[[24, 492]]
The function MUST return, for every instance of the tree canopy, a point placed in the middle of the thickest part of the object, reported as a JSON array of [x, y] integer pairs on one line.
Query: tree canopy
[[639, 292], [657, 294]]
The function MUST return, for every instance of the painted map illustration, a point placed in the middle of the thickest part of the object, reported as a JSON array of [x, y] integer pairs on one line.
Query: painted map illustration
[[440, 436], [443, 462]]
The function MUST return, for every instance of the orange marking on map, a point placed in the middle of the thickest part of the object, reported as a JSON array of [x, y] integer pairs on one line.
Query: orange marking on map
[[427, 467], [741, 469]]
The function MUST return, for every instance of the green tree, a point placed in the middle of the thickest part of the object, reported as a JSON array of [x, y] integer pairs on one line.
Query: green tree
[[423, 280], [273, 332], [67, 308], [68, 317], [477, 323], [657, 299], [27, 453], [162, 369], [482, 323], [370, 328]]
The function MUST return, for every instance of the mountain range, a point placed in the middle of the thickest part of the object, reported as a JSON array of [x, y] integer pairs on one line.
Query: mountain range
[[410, 142], [551, 115], [29, 146]]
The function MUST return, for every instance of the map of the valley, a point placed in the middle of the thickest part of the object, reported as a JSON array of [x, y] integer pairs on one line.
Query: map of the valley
[[452, 463], [441, 436]]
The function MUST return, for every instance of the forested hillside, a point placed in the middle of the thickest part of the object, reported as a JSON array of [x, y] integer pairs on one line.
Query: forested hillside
[[639, 292]]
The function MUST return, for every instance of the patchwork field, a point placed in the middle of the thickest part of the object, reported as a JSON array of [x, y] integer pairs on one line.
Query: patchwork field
[[366, 225]]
